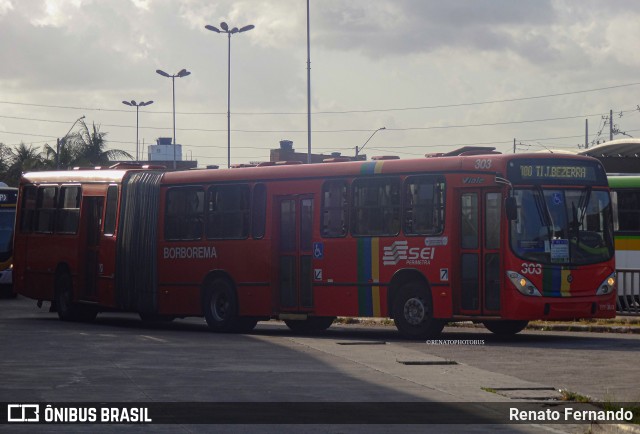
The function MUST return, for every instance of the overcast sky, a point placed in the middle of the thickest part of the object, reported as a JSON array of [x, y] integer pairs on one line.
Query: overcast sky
[[437, 74]]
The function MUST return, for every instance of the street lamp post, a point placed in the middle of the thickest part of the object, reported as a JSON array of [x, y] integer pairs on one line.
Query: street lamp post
[[182, 73], [358, 150], [137, 106], [225, 29], [64, 138]]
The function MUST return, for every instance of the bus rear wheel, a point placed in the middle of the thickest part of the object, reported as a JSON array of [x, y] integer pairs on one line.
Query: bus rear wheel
[[220, 306], [67, 309], [311, 324], [413, 312], [505, 327]]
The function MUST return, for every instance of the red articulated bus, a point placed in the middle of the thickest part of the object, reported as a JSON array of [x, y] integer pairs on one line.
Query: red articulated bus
[[471, 235]]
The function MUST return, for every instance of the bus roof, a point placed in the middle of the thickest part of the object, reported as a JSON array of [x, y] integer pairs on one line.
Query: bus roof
[[74, 176], [438, 163]]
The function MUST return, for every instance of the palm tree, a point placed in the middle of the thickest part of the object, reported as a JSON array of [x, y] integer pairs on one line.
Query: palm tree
[[89, 147], [23, 159]]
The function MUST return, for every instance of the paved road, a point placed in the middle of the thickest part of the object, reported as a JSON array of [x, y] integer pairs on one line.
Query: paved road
[[118, 358]]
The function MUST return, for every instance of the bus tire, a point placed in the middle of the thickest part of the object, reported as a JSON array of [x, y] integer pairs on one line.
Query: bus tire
[[413, 312], [67, 309], [311, 324], [220, 306], [505, 327]]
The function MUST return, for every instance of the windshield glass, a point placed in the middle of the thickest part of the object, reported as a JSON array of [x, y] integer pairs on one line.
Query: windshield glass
[[7, 219], [562, 226]]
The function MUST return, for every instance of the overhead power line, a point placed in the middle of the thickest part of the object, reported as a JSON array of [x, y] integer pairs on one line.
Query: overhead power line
[[429, 107]]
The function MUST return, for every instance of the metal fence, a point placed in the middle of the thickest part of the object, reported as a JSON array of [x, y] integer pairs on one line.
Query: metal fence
[[628, 291]]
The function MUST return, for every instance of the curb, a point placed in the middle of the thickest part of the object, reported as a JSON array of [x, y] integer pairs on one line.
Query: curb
[[560, 327]]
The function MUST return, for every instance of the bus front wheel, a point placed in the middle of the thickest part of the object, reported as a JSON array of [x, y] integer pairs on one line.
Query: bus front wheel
[[505, 327], [413, 312], [67, 309], [220, 306]]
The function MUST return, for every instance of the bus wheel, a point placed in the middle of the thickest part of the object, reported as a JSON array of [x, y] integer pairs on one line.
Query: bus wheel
[[413, 312], [67, 309], [311, 324], [505, 327], [220, 306]]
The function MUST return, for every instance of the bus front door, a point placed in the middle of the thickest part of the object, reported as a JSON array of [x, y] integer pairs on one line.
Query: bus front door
[[477, 284], [295, 279]]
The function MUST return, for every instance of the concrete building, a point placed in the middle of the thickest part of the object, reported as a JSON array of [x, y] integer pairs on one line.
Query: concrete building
[[286, 153]]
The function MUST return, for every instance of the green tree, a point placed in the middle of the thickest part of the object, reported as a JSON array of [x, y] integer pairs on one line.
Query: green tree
[[23, 159], [89, 147]]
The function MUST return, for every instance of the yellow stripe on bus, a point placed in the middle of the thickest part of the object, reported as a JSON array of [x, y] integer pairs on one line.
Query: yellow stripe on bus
[[565, 285]]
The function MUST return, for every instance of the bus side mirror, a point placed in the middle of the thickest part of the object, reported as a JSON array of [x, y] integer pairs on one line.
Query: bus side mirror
[[511, 207]]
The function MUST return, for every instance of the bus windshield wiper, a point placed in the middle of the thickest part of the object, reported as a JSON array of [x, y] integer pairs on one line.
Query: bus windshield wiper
[[543, 212]]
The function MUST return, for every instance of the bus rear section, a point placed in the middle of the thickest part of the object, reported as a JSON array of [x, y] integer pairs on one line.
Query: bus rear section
[[8, 200]]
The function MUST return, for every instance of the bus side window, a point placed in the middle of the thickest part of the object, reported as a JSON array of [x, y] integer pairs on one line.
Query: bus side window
[[184, 215], [27, 218], [424, 205], [228, 212], [334, 209], [376, 207], [111, 211], [46, 209], [69, 210], [628, 210], [259, 211]]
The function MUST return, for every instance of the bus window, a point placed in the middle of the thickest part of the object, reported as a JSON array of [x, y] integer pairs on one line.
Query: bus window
[[376, 207], [185, 214], [628, 210], [259, 212], [46, 209], [111, 211], [228, 212], [28, 208], [334, 209], [69, 212], [424, 205]]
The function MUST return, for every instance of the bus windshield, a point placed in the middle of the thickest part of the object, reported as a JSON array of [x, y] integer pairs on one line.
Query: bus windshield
[[7, 219], [562, 225]]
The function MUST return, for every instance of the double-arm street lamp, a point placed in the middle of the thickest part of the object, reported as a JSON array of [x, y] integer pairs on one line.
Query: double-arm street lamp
[[225, 29], [358, 150], [133, 103], [63, 141], [182, 73]]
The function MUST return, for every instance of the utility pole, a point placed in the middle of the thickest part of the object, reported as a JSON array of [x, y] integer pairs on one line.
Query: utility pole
[[514, 145], [586, 133], [610, 124]]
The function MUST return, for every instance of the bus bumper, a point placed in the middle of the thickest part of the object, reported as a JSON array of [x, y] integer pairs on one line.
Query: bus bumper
[[551, 308]]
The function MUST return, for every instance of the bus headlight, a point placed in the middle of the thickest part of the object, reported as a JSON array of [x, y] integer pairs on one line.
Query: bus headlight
[[523, 284], [608, 285]]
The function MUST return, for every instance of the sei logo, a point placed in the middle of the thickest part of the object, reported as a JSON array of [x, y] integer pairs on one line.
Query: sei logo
[[531, 268]]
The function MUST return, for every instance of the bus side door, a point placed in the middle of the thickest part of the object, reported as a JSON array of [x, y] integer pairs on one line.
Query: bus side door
[[294, 251], [91, 215], [477, 290]]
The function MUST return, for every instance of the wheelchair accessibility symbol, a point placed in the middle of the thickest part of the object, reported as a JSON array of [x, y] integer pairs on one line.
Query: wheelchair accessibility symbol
[[318, 250]]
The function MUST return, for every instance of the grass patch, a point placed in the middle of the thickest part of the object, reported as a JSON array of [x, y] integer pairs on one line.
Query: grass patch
[[569, 396], [489, 389]]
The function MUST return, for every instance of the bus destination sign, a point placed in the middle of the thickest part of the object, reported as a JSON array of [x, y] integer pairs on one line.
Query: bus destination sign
[[545, 171], [561, 172]]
